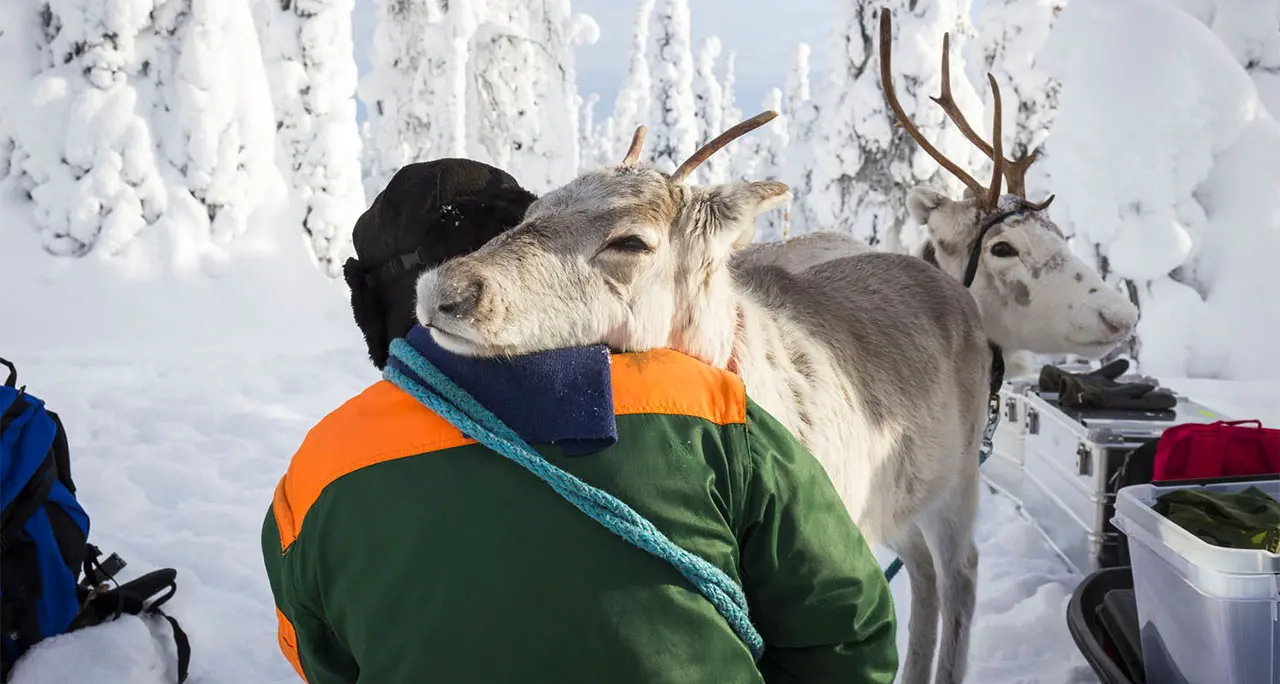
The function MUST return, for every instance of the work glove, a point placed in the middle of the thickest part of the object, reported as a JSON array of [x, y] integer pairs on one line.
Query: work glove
[[1098, 389]]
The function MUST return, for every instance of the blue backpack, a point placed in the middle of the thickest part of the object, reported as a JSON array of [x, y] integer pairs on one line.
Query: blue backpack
[[44, 545]]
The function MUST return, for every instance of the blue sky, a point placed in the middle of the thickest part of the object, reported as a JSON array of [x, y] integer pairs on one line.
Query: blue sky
[[763, 34]]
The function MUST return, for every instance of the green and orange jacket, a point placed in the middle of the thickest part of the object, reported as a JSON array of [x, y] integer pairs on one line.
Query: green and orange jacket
[[399, 550]]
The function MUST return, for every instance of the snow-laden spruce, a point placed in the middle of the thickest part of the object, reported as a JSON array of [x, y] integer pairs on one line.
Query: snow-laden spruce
[[504, 69], [631, 105], [1251, 31], [708, 100], [310, 63], [212, 117], [523, 103], [83, 151], [801, 112], [672, 131], [1010, 37], [142, 117], [415, 91], [865, 165], [1166, 163], [556, 31]]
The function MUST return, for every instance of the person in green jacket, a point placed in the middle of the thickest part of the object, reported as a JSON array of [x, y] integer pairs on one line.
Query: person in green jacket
[[399, 549]]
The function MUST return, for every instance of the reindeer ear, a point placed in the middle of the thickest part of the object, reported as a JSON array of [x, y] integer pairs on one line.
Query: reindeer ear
[[729, 211], [923, 201]]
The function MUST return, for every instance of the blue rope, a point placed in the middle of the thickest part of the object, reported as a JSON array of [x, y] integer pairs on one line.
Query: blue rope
[[462, 411], [984, 452]]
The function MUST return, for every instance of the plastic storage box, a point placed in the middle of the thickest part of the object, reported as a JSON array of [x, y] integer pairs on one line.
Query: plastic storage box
[[1208, 614]]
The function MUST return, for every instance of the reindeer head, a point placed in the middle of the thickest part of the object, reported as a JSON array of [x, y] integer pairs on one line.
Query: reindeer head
[[624, 255], [1034, 293]]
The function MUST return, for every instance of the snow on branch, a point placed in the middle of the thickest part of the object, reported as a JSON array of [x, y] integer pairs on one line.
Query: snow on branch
[[673, 133], [139, 112], [864, 166], [1165, 163], [310, 64]]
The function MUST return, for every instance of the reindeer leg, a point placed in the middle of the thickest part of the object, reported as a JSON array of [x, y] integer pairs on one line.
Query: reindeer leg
[[949, 530], [922, 626]]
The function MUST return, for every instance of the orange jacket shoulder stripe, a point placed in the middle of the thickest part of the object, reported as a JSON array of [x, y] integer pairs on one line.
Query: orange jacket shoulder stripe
[[383, 424]]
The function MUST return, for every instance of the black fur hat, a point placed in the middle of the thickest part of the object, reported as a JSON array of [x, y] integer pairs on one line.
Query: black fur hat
[[429, 212]]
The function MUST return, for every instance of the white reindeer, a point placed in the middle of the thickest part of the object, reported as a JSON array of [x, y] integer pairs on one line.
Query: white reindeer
[[1034, 294], [877, 363]]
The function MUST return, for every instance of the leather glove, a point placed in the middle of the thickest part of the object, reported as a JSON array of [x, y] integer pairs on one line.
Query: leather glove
[[1098, 389]]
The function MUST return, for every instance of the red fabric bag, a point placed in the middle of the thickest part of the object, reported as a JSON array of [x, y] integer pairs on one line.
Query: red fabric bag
[[1221, 449]]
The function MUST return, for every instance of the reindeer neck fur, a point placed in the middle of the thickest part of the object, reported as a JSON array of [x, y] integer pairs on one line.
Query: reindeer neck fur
[[785, 366], [848, 369]]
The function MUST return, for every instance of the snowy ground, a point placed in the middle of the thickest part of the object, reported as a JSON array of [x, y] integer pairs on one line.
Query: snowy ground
[[177, 458]]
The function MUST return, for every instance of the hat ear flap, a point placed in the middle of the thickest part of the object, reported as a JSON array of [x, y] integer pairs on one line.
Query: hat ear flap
[[368, 311]]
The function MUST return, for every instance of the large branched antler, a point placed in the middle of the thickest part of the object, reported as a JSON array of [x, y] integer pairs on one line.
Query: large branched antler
[[1015, 170], [720, 141], [986, 196]]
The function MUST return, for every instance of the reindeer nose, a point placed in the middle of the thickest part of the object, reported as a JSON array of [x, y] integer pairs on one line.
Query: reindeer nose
[[463, 299], [1116, 324]]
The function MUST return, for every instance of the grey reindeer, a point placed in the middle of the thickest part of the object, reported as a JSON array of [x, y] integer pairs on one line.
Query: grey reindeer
[[877, 363], [1034, 294]]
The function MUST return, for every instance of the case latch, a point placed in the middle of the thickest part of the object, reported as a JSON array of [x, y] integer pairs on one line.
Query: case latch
[[1033, 421], [1084, 459]]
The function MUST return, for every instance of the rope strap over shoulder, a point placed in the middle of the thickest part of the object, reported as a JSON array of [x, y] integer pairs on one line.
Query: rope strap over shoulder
[[438, 393]]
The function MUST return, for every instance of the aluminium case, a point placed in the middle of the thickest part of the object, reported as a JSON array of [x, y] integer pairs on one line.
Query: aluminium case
[[1071, 457]]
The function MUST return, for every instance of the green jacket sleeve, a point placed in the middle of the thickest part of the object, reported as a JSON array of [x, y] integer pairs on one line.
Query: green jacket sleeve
[[304, 639], [816, 594]]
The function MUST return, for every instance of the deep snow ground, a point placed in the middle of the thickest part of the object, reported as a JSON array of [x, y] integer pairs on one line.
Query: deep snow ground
[[177, 458]]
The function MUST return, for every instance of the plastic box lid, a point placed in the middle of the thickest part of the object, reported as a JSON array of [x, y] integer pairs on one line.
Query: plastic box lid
[[1135, 517]]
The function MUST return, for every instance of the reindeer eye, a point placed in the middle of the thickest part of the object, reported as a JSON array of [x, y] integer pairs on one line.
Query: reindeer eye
[[1003, 250], [632, 244]]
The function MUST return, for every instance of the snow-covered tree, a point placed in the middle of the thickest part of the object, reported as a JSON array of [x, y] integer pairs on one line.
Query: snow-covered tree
[[1165, 165], [801, 112], [82, 148], [709, 105], [311, 68], [771, 143], [213, 115], [148, 112], [556, 31], [505, 72], [739, 155], [673, 133], [865, 165], [1010, 37], [728, 94], [415, 91], [631, 106], [1251, 31], [588, 132], [525, 98]]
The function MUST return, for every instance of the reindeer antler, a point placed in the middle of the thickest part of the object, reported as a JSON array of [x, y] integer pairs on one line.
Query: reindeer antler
[[637, 142], [1015, 170], [720, 141], [987, 198]]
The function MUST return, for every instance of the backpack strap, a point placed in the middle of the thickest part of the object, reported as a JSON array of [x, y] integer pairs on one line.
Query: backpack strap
[[102, 605], [25, 504], [13, 372]]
